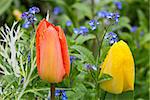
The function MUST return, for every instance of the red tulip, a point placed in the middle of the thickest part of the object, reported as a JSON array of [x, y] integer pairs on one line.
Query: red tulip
[[53, 61]]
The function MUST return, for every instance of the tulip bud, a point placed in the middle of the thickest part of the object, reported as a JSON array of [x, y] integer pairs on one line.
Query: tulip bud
[[119, 64], [53, 61], [17, 14]]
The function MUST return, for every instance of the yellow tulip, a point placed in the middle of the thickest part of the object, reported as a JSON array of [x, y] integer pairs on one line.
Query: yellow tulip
[[119, 64]]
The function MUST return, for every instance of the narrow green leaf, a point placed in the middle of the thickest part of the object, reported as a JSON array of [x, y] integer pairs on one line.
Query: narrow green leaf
[[86, 55], [105, 77], [81, 39]]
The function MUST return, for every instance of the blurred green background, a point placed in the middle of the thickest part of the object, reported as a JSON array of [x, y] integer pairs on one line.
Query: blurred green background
[[133, 13]]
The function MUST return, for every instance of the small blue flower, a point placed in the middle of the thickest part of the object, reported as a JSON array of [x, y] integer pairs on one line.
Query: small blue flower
[[68, 23], [57, 10], [83, 30], [93, 23], [64, 98], [57, 92], [61, 93], [90, 67], [29, 57], [72, 58], [102, 14], [133, 29], [34, 10], [22, 80], [26, 24], [76, 30], [116, 18], [113, 40], [110, 15], [24, 15], [142, 33], [112, 37], [29, 16], [118, 5]]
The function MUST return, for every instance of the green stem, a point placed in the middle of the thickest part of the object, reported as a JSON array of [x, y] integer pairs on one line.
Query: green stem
[[52, 91], [92, 8]]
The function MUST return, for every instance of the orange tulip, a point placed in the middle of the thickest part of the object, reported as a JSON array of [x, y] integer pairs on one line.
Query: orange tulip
[[53, 61]]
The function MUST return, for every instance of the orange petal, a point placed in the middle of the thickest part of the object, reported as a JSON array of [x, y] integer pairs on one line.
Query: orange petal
[[49, 55], [64, 50]]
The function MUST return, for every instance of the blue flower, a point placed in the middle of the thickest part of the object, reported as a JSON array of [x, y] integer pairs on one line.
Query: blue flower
[[61, 93], [109, 15], [142, 33], [68, 23], [102, 14], [72, 58], [118, 5], [24, 15], [57, 10], [93, 23], [76, 30], [29, 16], [22, 80], [83, 30], [29, 57], [90, 67], [113, 40], [112, 37], [34, 10], [133, 29], [57, 92], [26, 24]]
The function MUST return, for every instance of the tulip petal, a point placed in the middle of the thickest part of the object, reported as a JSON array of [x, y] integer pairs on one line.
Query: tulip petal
[[49, 55], [64, 49], [120, 65]]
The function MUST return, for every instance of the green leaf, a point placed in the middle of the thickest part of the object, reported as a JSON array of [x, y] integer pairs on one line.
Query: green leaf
[[81, 39], [105, 77], [86, 55], [4, 5], [83, 10], [123, 96]]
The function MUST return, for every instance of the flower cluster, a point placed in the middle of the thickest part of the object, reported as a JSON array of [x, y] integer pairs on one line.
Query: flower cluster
[[82, 30], [29, 16], [90, 67], [112, 38], [109, 15], [61, 93], [93, 23]]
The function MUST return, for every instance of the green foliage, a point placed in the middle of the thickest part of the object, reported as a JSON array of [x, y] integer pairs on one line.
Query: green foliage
[[4, 5], [18, 76]]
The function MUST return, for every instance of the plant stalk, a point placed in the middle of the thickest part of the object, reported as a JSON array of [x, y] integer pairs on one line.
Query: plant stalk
[[52, 91]]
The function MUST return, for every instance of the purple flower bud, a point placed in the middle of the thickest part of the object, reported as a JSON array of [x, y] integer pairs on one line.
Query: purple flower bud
[[133, 29], [118, 5], [57, 10], [68, 23]]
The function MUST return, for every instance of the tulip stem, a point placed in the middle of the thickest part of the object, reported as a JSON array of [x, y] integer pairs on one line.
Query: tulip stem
[[52, 91]]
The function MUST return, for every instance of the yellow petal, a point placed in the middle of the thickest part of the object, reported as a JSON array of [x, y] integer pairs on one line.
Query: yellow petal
[[119, 64]]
